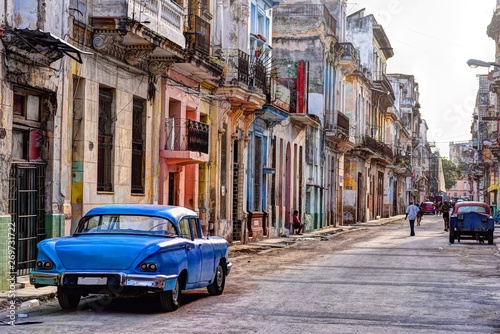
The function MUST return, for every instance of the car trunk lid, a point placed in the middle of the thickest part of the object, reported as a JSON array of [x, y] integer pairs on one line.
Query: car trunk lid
[[102, 252]]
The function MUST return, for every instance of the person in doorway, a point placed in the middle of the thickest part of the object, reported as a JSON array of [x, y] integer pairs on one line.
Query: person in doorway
[[411, 213], [446, 214], [298, 226]]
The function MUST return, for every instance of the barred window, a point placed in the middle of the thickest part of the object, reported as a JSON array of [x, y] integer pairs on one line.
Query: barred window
[[138, 143], [105, 141]]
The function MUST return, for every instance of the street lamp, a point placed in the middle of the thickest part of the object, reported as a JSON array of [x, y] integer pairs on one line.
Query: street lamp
[[474, 63]]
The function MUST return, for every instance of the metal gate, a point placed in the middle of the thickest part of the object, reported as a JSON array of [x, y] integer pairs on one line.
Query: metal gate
[[27, 209]]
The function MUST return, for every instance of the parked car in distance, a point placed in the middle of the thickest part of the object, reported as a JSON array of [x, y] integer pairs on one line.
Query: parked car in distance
[[471, 220], [125, 249], [429, 208]]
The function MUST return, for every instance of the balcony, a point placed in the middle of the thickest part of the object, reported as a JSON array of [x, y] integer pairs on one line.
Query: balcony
[[163, 17], [149, 34], [198, 34], [380, 150], [382, 90], [245, 78], [339, 132], [187, 141], [349, 61]]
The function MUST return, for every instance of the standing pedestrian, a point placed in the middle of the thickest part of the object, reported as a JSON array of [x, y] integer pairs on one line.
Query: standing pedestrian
[[411, 214], [446, 214]]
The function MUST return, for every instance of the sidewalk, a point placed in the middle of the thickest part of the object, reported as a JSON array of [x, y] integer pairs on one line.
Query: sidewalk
[[29, 296]]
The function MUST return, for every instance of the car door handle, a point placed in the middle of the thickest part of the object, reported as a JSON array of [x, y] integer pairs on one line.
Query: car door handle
[[189, 246]]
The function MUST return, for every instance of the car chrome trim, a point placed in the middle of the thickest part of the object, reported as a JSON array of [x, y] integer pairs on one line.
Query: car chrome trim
[[133, 280], [156, 281], [45, 278], [229, 265]]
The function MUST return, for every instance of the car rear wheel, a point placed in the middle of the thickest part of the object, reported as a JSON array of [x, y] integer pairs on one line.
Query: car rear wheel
[[67, 300], [217, 286], [490, 237], [170, 299], [452, 236]]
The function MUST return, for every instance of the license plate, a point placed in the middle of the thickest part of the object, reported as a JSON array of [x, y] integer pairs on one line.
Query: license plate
[[92, 280]]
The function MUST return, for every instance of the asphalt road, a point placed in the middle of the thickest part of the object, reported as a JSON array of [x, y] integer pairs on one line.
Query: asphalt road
[[375, 280]]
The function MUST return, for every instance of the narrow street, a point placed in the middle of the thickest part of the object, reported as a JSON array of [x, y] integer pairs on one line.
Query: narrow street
[[373, 280]]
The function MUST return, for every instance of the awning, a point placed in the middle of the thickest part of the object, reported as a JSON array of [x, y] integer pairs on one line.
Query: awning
[[493, 187], [39, 46]]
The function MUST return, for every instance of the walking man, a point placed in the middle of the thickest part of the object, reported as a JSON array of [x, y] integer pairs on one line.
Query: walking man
[[411, 214]]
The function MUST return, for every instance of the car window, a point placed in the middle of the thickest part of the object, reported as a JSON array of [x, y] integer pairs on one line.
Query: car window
[[194, 227], [185, 230], [128, 224], [471, 208]]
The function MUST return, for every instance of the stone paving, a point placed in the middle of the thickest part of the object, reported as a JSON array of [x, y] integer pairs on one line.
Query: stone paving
[[28, 296]]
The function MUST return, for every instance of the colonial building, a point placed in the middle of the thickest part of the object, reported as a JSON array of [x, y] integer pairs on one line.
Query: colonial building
[[399, 135], [375, 49]]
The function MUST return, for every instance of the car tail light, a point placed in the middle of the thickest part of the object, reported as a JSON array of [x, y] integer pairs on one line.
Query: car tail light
[[44, 264], [151, 266]]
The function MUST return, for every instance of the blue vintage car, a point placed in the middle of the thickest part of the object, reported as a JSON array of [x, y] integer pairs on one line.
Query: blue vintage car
[[129, 249], [471, 220]]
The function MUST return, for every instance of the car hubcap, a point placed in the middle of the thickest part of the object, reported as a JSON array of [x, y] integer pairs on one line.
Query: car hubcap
[[219, 276], [175, 292]]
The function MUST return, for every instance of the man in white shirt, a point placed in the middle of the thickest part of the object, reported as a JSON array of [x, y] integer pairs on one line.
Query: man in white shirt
[[411, 214]]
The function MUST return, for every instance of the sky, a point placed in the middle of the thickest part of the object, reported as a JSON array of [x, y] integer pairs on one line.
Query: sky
[[432, 40]]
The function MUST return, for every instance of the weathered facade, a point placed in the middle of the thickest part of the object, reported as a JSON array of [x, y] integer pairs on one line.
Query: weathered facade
[[375, 49], [399, 133], [243, 111], [35, 193], [305, 35]]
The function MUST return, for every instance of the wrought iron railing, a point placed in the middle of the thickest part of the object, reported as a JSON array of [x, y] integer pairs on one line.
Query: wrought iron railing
[[378, 147], [198, 34], [187, 135], [343, 123], [350, 52], [245, 69]]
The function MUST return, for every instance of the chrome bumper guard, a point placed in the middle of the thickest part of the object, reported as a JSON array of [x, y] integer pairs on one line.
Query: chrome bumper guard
[[131, 280]]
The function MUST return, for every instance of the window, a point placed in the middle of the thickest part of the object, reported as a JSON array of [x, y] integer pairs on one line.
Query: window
[[184, 227], [105, 141], [27, 133], [194, 227], [138, 142]]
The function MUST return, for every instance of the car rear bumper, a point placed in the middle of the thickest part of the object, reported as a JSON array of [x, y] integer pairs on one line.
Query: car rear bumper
[[97, 278], [229, 265]]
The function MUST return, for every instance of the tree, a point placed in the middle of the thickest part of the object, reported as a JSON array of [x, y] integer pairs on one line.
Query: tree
[[451, 173]]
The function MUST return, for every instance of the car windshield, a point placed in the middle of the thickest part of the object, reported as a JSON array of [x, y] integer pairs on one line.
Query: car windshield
[[119, 224], [471, 208]]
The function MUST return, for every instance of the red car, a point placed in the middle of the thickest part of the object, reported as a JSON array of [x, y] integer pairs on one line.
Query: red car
[[429, 208]]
